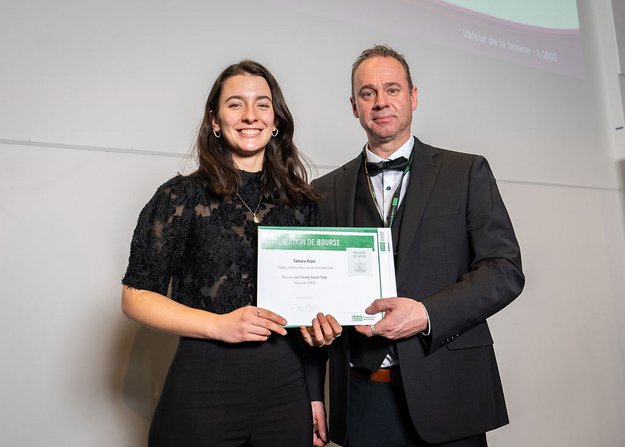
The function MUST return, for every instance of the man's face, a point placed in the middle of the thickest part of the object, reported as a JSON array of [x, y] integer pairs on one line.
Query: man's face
[[383, 102]]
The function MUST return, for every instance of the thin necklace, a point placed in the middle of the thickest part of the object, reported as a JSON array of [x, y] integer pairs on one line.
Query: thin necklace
[[256, 219]]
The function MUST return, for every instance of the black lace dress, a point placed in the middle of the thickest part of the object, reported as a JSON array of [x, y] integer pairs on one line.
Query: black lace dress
[[200, 250]]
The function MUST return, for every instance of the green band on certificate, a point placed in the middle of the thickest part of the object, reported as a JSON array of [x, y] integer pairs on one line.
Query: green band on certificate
[[338, 242]]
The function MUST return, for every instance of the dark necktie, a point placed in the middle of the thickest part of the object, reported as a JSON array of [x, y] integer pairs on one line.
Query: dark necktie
[[398, 164]]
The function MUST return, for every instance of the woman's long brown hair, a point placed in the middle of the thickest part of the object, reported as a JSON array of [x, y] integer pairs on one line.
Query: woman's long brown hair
[[285, 179]]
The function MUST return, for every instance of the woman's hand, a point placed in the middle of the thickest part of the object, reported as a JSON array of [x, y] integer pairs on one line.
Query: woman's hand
[[320, 428], [248, 323], [323, 331]]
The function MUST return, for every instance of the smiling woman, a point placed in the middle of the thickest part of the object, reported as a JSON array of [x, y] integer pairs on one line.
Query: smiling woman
[[192, 272], [245, 119], [246, 99]]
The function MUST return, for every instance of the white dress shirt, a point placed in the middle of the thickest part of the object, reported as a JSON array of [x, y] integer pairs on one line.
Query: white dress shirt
[[384, 185]]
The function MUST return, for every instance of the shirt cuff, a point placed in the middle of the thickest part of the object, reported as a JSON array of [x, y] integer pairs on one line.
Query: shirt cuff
[[429, 329]]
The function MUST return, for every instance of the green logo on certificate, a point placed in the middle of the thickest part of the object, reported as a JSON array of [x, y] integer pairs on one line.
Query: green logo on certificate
[[356, 317]]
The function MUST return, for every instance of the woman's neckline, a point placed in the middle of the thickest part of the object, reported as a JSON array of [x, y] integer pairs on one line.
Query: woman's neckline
[[247, 176]]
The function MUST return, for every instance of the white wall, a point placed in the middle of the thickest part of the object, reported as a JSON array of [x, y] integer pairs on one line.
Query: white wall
[[100, 101]]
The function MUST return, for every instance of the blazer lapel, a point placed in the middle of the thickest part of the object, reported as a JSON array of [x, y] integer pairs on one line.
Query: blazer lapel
[[423, 173], [345, 192]]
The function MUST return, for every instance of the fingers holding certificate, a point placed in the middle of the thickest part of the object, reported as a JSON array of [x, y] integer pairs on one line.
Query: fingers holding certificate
[[403, 318], [249, 324], [303, 271], [323, 330]]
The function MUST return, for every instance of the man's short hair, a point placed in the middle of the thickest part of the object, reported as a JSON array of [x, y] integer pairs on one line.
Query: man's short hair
[[381, 51]]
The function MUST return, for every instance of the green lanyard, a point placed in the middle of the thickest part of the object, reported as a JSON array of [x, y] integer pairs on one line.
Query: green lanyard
[[395, 201]]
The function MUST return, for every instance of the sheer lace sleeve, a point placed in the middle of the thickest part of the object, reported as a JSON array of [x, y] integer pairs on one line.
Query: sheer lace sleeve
[[159, 240]]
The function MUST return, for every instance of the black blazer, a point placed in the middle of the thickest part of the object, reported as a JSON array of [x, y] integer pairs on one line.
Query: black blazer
[[458, 255]]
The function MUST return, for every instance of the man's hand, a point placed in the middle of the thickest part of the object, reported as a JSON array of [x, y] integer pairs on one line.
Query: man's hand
[[403, 318], [320, 431]]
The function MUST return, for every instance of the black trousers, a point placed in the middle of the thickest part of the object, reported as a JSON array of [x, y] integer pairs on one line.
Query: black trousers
[[234, 395], [378, 416]]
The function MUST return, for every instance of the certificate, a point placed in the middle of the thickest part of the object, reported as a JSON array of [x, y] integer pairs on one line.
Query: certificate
[[338, 271]]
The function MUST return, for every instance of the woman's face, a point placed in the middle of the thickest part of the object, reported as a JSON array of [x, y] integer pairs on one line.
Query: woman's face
[[245, 117]]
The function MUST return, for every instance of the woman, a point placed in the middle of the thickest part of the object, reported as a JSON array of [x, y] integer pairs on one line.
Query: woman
[[238, 374]]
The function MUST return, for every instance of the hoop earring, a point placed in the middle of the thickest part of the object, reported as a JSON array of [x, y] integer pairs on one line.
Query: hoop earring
[[217, 133], [274, 133]]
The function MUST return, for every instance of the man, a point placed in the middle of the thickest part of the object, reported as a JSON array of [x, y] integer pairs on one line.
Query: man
[[426, 373]]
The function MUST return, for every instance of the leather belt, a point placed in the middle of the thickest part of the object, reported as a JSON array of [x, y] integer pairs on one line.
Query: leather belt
[[384, 375]]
